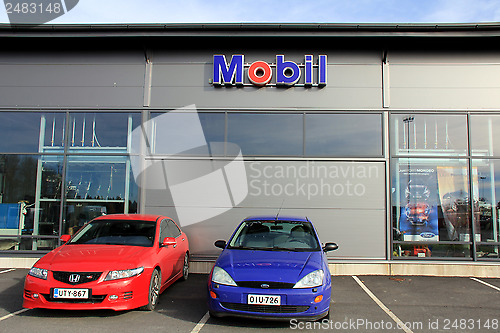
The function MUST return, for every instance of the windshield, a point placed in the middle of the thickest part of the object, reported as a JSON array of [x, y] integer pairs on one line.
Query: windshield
[[116, 232], [275, 236]]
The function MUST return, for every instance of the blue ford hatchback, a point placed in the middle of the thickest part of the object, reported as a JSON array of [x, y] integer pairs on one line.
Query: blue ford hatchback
[[273, 268]]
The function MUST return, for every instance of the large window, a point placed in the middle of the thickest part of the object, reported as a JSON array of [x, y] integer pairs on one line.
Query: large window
[[486, 176], [429, 134], [431, 207], [485, 149], [266, 134], [38, 200], [333, 135], [349, 135]]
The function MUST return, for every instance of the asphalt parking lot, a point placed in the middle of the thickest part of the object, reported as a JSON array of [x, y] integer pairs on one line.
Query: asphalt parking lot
[[360, 304]]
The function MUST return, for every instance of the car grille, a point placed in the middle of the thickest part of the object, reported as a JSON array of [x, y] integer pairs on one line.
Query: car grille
[[271, 285], [75, 278], [93, 299], [265, 308]]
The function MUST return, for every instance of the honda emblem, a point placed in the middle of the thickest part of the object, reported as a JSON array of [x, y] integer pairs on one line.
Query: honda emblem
[[74, 278]]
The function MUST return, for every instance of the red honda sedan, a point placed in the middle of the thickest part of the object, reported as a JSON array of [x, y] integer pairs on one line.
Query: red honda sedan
[[117, 262]]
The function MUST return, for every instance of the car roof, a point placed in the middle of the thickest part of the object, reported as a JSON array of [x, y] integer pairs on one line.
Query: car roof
[[131, 217], [277, 218]]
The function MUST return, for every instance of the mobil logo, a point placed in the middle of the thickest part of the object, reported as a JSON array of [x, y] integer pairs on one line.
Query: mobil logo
[[260, 73]]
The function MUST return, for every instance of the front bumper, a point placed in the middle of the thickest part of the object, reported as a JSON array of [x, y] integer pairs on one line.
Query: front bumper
[[295, 303], [118, 295]]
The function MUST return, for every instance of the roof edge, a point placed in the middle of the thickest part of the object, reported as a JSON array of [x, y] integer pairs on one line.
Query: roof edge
[[252, 29]]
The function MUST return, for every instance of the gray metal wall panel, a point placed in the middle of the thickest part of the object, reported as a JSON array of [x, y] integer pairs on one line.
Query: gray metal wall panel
[[445, 81], [354, 81], [70, 97], [347, 204], [66, 81]]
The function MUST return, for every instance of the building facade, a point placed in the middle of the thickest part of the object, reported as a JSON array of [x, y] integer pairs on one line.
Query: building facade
[[383, 135]]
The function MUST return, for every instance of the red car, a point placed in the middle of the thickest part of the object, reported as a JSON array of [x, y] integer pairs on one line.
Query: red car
[[117, 262]]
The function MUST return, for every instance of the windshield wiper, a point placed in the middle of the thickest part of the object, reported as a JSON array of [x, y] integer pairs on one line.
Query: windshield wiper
[[277, 248], [250, 248]]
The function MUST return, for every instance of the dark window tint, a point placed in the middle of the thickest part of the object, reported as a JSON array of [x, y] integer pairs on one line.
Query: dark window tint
[[343, 135]]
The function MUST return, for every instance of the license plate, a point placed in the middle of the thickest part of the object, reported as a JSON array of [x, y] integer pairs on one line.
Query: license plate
[[264, 299], [70, 293]]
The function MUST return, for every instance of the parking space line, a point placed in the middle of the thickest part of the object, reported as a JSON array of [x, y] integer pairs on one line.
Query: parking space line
[[382, 306], [13, 314], [486, 284], [8, 270], [201, 323]]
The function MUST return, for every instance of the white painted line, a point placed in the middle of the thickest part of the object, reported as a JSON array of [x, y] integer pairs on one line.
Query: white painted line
[[486, 284], [8, 270], [382, 306], [13, 314], [201, 323]]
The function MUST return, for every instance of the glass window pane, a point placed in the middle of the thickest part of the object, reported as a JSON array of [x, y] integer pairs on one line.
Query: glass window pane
[[96, 178], [10, 243], [486, 190], [21, 212], [186, 133], [266, 134], [22, 131], [485, 139], [424, 134], [406, 250], [430, 200], [101, 132], [344, 135], [96, 185]]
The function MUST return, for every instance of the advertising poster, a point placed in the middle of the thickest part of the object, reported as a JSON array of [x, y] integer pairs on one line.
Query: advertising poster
[[419, 206], [454, 198]]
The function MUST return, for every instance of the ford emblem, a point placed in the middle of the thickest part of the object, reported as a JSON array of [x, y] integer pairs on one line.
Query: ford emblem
[[264, 286]]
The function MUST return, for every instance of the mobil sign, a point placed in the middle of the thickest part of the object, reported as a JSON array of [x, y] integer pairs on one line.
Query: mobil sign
[[261, 73]]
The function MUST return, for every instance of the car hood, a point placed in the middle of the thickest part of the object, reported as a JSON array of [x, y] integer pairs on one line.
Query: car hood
[[93, 258], [270, 266]]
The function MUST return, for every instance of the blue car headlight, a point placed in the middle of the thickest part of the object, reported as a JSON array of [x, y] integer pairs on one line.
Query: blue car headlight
[[220, 276], [39, 273], [311, 280]]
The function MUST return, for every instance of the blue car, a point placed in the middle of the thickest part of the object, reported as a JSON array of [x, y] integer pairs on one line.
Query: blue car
[[272, 268]]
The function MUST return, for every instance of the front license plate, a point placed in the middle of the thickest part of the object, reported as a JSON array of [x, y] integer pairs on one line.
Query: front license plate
[[264, 299], [70, 293]]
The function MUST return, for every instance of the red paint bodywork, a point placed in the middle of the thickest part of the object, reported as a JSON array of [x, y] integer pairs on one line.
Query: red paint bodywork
[[132, 292]]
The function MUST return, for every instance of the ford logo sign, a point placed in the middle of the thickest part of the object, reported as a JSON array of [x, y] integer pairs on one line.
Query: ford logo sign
[[427, 235], [264, 286]]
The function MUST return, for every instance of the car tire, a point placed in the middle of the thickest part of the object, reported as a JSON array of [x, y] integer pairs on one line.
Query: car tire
[[154, 291], [185, 267]]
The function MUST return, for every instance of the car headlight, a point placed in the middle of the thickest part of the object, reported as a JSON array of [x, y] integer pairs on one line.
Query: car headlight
[[220, 276], [311, 280], [39, 273], [126, 273]]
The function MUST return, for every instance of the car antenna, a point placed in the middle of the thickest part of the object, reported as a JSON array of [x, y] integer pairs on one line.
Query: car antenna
[[279, 210]]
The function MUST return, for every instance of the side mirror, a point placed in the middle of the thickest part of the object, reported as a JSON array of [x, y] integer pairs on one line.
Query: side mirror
[[220, 243], [330, 247], [65, 238], [168, 241]]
